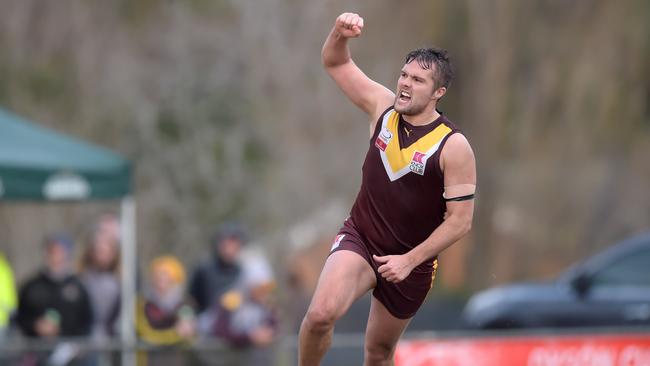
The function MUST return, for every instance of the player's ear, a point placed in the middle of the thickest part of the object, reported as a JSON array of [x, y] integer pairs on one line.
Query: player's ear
[[438, 93]]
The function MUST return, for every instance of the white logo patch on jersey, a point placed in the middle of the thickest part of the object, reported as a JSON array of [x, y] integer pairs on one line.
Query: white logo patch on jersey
[[337, 241], [383, 139], [418, 162]]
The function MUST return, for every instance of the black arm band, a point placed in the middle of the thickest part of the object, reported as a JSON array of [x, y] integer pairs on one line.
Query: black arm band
[[461, 198]]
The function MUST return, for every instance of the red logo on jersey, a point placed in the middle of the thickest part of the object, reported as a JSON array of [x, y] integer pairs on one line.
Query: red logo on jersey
[[417, 157], [380, 144], [383, 139], [417, 163]]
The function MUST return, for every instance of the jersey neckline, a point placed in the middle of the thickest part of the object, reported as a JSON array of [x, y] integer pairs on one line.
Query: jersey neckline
[[431, 124]]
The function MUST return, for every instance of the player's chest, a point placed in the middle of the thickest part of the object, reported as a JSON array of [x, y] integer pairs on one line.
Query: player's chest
[[398, 151]]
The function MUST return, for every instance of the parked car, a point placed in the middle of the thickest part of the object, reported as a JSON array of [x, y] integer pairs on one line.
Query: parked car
[[611, 288]]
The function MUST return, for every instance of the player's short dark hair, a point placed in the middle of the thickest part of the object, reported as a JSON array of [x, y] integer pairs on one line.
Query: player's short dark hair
[[426, 57]]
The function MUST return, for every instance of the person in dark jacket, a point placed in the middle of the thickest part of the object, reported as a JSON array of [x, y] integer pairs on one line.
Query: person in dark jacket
[[54, 303], [220, 272]]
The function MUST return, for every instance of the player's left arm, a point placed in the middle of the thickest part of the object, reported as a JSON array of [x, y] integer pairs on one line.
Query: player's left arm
[[459, 167]]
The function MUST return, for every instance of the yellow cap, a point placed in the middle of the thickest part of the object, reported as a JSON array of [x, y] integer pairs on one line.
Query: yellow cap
[[171, 265]]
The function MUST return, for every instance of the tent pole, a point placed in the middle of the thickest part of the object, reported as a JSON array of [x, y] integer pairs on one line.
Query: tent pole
[[128, 280]]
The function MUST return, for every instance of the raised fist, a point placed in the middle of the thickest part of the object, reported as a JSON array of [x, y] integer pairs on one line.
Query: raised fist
[[349, 25]]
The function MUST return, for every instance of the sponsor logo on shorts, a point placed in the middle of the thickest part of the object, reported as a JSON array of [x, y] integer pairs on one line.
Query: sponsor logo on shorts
[[337, 241], [383, 139], [417, 163]]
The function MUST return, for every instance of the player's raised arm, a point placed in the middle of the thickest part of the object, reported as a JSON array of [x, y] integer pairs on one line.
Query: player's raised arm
[[365, 93]]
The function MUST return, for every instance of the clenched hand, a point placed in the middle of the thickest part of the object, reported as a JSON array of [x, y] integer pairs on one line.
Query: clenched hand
[[395, 268], [349, 25]]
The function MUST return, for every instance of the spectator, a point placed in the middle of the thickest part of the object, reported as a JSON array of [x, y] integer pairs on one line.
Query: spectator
[[54, 302], [7, 294], [164, 316], [221, 270], [247, 317], [99, 274]]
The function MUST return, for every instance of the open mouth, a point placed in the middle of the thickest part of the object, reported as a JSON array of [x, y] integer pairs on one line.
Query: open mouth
[[404, 96]]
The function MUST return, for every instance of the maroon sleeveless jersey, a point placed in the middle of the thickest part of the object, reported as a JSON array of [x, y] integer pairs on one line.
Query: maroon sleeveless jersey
[[400, 202]]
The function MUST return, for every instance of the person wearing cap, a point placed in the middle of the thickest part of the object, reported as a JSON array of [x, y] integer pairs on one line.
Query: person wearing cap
[[164, 316], [220, 272], [54, 303]]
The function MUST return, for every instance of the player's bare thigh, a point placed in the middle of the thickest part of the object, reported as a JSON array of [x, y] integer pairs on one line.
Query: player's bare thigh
[[382, 333], [345, 277]]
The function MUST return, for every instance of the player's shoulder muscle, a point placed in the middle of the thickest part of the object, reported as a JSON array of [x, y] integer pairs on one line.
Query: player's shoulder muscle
[[457, 158]]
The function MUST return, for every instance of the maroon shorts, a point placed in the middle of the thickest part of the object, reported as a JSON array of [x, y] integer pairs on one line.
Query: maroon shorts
[[402, 299]]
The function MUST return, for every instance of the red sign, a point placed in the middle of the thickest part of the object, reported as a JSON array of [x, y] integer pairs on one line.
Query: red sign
[[381, 144], [587, 350]]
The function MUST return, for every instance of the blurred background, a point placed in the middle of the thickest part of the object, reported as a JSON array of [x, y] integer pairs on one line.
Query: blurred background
[[226, 114]]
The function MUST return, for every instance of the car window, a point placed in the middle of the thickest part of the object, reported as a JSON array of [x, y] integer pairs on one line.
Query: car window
[[633, 269]]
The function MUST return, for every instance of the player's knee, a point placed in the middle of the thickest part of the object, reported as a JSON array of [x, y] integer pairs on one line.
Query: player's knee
[[319, 318], [378, 353]]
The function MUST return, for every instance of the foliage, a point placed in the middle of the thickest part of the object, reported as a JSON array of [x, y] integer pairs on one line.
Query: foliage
[[226, 112]]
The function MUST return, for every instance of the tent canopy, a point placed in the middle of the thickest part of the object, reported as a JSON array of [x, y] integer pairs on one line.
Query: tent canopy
[[37, 163]]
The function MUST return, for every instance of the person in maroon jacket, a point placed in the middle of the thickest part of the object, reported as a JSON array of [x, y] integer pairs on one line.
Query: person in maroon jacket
[[416, 199], [246, 316], [164, 316]]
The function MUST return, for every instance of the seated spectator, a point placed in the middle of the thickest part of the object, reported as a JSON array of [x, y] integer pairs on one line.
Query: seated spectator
[[220, 272], [54, 303], [247, 316], [7, 294], [99, 273], [164, 316]]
